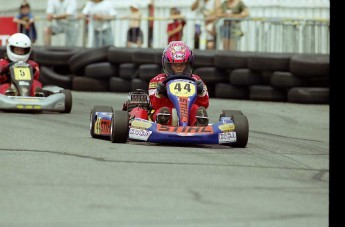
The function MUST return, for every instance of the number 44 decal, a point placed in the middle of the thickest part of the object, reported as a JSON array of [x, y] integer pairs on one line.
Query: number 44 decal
[[182, 88]]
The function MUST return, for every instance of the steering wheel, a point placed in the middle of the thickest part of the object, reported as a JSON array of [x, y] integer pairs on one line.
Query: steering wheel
[[173, 77]]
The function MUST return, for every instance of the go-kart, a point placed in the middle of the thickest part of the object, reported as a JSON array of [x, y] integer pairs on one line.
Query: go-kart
[[135, 124], [53, 98]]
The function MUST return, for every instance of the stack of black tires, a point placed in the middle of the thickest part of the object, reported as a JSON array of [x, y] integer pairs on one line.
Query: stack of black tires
[[281, 77]]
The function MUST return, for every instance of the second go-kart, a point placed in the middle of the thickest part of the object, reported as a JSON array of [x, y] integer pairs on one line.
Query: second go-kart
[[53, 98], [134, 124]]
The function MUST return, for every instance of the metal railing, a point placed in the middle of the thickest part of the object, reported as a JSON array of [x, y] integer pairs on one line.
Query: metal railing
[[260, 34], [279, 35]]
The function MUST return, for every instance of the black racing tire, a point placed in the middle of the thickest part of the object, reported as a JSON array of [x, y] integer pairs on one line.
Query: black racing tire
[[270, 61], [138, 83], [286, 80], [117, 84], [68, 100], [241, 129], [54, 56], [81, 83], [119, 55], [128, 71], [211, 75], [228, 91], [50, 77], [308, 95], [101, 70], [144, 56], [93, 117], [310, 65], [158, 56], [231, 59], [230, 113], [204, 58], [245, 77], [267, 93], [147, 71], [119, 127], [80, 60]]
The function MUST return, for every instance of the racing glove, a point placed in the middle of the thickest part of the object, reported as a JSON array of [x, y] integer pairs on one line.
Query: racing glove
[[161, 89], [199, 87]]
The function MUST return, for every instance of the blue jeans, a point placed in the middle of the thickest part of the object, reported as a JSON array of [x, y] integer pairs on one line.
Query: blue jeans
[[103, 38]]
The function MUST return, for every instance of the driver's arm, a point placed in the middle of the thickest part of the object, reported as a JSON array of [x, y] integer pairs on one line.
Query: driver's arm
[[157, 101], [203, 99], [35, 69], [3, 70]]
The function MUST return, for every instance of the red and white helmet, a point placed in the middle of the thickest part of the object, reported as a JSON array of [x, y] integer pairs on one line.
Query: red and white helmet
[[177, 52], [22, 41]]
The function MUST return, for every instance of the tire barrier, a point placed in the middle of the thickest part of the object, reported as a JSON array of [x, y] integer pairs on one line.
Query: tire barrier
[[81, 83], [118, 84], [49, 77], [279, 77], [54, 56], [102, 70], [245, 77], [267, 93]]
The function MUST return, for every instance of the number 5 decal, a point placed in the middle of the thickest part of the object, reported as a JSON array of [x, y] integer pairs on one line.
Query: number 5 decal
[[22, 74]]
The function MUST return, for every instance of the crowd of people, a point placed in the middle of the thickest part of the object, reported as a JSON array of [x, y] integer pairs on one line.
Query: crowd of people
[[63, 17]]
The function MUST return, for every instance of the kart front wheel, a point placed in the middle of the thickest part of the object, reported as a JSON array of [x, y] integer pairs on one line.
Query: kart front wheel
[[241, 129], [119, 127], [68, 100], [93, 117], [229, 113]]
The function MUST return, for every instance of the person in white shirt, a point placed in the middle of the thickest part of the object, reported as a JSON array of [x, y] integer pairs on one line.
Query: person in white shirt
[[205, 16], [62, 18], [134, 33], [100, 14]]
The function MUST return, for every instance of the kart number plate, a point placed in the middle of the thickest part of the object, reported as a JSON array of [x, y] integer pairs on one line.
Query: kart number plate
[[181, 88], [22, 73], [227, 137], [139, 134]]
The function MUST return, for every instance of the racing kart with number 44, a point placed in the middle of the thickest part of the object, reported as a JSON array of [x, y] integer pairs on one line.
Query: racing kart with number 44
[[135, 124]]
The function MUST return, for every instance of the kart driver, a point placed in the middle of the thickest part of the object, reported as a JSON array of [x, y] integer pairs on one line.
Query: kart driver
[[18, 49], [177, 59]]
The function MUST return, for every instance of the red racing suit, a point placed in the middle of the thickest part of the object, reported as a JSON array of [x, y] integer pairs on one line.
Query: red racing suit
[[159, 101], [5, 78]]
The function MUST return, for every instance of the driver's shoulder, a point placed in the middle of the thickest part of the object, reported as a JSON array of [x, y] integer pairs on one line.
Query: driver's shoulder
[[4, 61], [159, 78]]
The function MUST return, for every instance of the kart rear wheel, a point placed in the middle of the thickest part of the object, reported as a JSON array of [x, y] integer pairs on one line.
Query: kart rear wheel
[[93, 117], [119, 127], [68, 100], [229, 113], [241, 129]]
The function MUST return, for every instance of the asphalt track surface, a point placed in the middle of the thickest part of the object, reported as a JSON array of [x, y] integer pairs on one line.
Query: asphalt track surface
[[52, 173]]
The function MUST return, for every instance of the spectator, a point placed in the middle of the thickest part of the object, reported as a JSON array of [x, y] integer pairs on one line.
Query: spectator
[[62, 18], [151, 11], [231, 30], [205, 14], [100, 14], [134, 33], [175, 29], [26, 23]]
